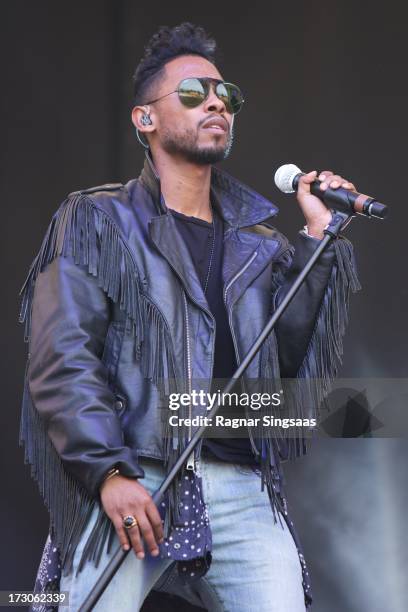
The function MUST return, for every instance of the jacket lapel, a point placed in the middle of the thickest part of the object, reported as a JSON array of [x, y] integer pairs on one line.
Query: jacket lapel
[[246, 253], [170, 244], [246, 250]]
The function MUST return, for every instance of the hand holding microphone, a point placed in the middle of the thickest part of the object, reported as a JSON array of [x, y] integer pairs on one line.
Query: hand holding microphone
[[315, 194], [317, 215]]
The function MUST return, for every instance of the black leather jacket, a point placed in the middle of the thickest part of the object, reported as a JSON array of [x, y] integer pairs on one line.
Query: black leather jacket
[[117, 306]]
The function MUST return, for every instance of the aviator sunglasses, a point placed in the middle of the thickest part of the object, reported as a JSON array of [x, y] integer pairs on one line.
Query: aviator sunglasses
[[193, 91]]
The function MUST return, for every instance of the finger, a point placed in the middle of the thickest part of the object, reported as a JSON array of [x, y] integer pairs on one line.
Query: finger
[[308, 178], [134, 535], [122, 535], [334, 181], [348, 185], [304, 182], [147, 534], [155, 521], [325, 174]]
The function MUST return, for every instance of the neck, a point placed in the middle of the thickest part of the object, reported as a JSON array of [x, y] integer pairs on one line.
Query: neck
[[185, 186]]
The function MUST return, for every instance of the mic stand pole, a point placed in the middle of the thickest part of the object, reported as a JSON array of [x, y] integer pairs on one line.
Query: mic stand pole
[[339, 220]]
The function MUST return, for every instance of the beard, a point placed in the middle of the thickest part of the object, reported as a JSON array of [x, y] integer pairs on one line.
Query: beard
[[186, 145]]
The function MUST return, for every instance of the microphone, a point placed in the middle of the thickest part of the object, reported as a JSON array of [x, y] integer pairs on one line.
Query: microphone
[[287, 180]]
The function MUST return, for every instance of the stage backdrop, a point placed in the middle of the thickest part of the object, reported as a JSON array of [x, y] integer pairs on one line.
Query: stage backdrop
[[325, 88]]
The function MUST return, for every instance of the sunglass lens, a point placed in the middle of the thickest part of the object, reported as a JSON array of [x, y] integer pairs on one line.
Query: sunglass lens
[[191, 92], [223, 94], [231, 96]]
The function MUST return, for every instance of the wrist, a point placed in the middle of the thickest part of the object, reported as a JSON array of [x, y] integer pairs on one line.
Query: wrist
[[315, 228], [114, 471], [312, 232]]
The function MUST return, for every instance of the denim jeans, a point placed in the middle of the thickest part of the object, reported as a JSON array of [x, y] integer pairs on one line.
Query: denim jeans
[[255, 565]]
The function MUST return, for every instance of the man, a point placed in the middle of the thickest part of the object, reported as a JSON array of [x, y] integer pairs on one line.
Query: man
[[145, 288]]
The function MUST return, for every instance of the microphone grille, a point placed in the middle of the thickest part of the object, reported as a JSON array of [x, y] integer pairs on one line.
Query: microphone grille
[[284, 177]]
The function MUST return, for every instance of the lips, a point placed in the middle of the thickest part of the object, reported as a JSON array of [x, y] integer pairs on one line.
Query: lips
[[216, 124]]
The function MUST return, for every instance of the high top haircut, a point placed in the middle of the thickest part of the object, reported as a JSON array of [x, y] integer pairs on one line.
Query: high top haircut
[[165, 45]]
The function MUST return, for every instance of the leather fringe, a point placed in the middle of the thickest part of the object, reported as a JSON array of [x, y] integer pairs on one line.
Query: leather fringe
[[83, 231], [313, 383], [68, 504], [265, 440], [304, 395], [271, 479]]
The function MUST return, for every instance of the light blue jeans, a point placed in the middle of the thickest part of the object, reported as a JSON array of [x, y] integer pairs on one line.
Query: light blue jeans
[[255, 565]]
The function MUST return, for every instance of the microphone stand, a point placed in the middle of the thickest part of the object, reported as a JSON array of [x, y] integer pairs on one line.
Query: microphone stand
[[339, 220]]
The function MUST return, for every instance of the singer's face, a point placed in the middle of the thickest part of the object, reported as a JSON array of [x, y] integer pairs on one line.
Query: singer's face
[[201, 135]]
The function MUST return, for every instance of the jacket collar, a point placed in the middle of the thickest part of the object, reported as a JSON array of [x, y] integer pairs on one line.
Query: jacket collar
[[239, 205]]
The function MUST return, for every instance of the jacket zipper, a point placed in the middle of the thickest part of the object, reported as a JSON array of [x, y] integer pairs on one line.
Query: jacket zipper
[[231, 282], [190, 460], [234, 340]]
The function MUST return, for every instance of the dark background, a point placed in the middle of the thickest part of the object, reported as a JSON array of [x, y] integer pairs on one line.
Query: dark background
[[325, 87]]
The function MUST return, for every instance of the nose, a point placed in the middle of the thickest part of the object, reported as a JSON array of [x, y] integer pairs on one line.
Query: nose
[[213, 102]]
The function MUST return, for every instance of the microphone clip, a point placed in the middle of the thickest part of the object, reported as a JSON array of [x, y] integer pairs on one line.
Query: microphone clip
[[339, 221]]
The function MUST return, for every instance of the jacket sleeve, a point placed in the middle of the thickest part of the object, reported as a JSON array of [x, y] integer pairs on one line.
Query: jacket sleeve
[[72, 435], [295, 328], [310, 332], [67, 379]]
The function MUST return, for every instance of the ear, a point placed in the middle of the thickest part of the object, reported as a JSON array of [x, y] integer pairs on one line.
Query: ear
[[137, 114]]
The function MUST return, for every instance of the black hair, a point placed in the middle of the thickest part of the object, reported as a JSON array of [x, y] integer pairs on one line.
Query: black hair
[[165, 45]]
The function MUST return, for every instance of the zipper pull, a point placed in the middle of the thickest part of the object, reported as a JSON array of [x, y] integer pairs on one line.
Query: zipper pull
[[190, 462]]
